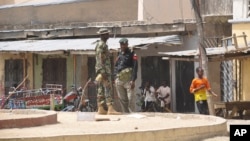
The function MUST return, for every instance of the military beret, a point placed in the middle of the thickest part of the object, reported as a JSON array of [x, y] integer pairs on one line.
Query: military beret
[[103, 31], [123, 41]]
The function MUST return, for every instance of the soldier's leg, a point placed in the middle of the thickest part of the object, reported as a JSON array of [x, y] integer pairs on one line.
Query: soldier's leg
[[122, 94], [101, 99], [107, 91], [109, 98]]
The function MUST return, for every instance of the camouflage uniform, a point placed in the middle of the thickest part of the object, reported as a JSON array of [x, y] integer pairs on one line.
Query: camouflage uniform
[[126, 71], [103, 66]]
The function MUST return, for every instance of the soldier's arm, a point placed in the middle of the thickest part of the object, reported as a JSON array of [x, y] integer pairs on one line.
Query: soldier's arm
[[116, 65], [101, 56]]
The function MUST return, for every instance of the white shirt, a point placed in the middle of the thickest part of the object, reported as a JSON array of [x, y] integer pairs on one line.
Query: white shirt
[[164, 91], [149, 96]]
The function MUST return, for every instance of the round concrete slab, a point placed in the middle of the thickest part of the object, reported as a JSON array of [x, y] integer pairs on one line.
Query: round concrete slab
[[20, 118], [130, 127]]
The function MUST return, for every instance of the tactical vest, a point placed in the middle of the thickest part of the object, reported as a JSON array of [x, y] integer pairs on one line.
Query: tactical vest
[[125, 74]]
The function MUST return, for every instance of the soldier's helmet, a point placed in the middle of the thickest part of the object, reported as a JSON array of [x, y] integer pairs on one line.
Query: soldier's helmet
[[123, 41], [103, 31]]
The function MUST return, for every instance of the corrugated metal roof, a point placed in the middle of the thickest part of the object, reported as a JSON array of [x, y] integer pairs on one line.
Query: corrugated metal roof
[[79, 46], [216, 51], [39, 3], [210, 51]]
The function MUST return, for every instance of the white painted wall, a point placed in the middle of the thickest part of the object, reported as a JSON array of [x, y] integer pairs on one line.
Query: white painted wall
[[240, 9]]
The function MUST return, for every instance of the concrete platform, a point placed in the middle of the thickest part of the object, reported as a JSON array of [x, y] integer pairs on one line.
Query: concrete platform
[[131, 127], [26, 118]]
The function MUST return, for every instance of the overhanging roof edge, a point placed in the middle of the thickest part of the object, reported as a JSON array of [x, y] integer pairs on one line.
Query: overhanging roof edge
[[80, 45]]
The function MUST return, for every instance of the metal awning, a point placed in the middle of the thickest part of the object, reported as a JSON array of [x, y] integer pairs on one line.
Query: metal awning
[[38, 3], [80, 46], [213, 54]]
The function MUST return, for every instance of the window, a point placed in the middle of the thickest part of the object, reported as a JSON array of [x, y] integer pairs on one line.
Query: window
[[13, 73]]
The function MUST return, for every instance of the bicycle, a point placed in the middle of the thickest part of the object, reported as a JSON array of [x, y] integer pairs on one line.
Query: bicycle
[[84, 104]]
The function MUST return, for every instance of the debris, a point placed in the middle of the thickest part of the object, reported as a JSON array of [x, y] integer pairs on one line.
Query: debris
[[136, 116], [85, 116], [107, 119]]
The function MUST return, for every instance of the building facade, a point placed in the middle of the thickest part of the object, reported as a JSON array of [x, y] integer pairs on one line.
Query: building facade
[[241, 23], [26, 24]]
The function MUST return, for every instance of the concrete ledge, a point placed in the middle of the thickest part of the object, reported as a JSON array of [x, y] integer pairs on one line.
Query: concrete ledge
[[153, 127], [20, 118]]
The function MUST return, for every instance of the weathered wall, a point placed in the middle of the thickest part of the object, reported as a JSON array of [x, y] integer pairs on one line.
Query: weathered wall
[[81, 11], [245, 81], [5, 2], [164, 11], [217, 30], [238, 28], [81, 70], [217, 7], [214, 79]]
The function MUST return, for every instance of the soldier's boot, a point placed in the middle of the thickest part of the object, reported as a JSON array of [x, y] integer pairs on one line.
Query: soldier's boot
[[112, 111], [101, 110]]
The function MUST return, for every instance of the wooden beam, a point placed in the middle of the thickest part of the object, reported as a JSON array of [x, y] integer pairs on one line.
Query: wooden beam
[[135, 30], [226, 58], [12, 35], [214, 58], [155, 28]]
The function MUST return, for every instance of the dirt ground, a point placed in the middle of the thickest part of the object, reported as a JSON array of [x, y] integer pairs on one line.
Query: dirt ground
[[73, 123], [229, 122]]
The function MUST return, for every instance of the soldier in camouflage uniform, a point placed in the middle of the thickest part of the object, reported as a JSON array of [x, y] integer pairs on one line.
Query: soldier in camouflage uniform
[[103, 71], [126, 74]]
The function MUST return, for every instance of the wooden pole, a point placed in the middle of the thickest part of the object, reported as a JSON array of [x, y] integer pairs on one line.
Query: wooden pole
[[11, 93], [74, 71], [24, 68], [203, 55], [82, 101], [52, 102]]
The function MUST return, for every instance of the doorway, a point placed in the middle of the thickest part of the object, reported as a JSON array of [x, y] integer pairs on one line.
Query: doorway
[[54, 71], [184, 77]]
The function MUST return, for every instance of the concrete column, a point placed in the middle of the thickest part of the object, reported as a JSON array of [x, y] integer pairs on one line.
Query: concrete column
[[172, 85]]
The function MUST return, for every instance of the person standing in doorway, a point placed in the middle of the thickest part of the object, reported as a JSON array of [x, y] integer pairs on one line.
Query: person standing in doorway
[[103, 71], [199, 87], [150, 98], [164, 96], [126, 74]]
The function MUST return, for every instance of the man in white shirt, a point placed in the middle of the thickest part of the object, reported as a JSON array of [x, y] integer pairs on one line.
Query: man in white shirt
[[164, 96], [150, 99]]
